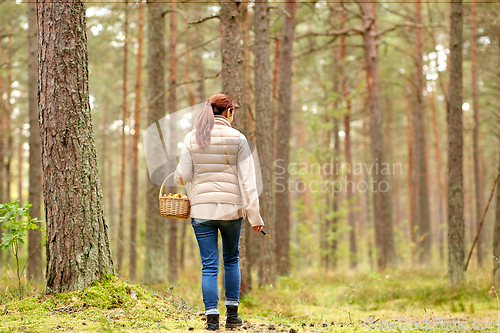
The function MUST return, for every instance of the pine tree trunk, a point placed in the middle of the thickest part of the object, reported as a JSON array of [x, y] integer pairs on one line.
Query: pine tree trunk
[[275, 96], [232, 59], [496, 230], [172, 223], [77, 240], [439, 183], [245, 239], [154, 270], [246, 75], [347, 151], [121, 225], [478, 181], [134, 179], [456, 228], [423, 230], [283, 144], [263, 135], [35, 172], [384, 237]]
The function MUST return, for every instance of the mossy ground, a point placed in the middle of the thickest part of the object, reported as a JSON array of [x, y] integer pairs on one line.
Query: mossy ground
[[308, 302]]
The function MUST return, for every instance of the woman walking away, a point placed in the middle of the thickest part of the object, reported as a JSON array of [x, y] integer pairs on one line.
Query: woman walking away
[[217, 162]]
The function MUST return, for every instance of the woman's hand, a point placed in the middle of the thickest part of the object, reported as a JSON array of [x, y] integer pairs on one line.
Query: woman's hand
[[258, 228]]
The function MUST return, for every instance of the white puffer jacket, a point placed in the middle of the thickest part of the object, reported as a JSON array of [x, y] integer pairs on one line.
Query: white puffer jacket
[[221, 175]]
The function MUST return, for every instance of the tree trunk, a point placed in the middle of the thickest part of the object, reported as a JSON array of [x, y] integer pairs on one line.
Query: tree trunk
[[134, 181], [232, 60], [275, 96], [439, 183], [456, 228], [246, 75], [423, 230], [347, 151], [478, 179], [77, 240], [412, 193], [263, 135], [172, 223], [192, 98], [496, 230], [245, 238], [154, 270], [283, 145], [121, 224], [35, 172], [384, 237]]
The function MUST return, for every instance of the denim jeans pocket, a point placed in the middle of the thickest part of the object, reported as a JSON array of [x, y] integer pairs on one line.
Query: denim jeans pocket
[[197, 222]]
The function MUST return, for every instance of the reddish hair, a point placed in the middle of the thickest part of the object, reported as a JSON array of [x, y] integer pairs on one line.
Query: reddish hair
[[215, 105]]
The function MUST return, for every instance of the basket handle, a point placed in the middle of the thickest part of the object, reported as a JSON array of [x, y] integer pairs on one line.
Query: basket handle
[[162, 185]]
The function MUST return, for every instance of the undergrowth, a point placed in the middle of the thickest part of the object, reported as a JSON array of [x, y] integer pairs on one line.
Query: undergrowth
[[310, 301]]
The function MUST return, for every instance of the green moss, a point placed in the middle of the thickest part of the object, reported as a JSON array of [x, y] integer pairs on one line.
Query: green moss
[[110, 304]]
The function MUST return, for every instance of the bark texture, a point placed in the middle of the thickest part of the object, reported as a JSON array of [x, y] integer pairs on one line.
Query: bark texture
[[384, 237], [423, 222], [35, 172], [77, 239], [263, 135], [232, 59], [154, 270], [456, 227], [496, 230], [134, 181], [478, 179], [121, 225], [173, 274], [283, 141], [347, 149]]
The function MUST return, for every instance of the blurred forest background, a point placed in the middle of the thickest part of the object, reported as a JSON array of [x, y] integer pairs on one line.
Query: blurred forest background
[[347, 104]]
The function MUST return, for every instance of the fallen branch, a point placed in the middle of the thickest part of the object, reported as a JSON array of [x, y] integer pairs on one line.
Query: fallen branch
[[482, 221]]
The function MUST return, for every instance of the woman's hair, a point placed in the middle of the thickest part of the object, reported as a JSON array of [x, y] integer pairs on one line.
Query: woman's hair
[[215, 105]]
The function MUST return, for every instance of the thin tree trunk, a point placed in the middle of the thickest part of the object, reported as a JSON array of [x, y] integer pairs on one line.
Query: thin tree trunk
[[384, 237], [275, 96], [246, 26], [423, 230], [478, 179], [10, 142], [173, 269], [20, 159], [245, 238], [347, 150], [77, 241], [283, 151], [154, 270], [263, 135], [200, 71], [232, 60], [439, 183], [496, 230], [192, 98], [121, 224], [134, 179], [411, 188], [456, 228]]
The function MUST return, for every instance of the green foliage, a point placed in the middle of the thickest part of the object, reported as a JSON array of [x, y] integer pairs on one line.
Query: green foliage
[[17, 222]]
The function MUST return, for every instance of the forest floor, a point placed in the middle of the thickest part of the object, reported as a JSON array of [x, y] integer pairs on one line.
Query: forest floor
[[308, 302]]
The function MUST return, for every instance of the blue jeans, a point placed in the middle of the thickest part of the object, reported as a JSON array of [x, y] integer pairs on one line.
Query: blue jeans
[[207, 233]]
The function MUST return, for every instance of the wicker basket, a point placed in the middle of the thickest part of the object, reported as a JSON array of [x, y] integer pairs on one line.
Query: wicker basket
[[173, 208]]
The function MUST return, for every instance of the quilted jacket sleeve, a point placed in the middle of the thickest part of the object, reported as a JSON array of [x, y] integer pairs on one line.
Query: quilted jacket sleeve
[[248, 183]]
